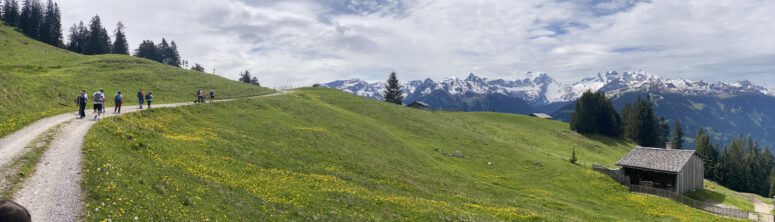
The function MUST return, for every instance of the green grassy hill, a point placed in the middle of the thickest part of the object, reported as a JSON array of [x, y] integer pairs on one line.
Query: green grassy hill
[[39, 80], [320, 154]]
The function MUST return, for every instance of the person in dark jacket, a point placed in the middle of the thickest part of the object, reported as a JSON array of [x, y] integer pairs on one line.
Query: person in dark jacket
[[141, 97], [82, 99], [212, 95], [12, 211], [149, 99]]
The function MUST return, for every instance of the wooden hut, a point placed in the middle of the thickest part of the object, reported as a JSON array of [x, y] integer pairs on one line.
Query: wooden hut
[[541, 115], [418, 105], [679, 171]]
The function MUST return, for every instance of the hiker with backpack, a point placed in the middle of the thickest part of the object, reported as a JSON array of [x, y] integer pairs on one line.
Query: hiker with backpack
[[99, 99], [149, 99], [200, 96], [141, 97], [118, 100], [81, 100], [212, 95]]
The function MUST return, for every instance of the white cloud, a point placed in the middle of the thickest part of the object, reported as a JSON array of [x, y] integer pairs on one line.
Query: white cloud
[[303, 42]]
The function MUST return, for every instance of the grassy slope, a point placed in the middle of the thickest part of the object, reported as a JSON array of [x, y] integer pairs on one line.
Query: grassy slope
[[322, 154], [715, 193], [39, 80]]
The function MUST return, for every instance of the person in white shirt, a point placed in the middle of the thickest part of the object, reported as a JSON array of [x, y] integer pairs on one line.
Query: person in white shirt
[[99, 100]]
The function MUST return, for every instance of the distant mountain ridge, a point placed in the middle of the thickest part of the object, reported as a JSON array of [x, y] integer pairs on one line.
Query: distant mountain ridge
[[539, 89], [725, 110]]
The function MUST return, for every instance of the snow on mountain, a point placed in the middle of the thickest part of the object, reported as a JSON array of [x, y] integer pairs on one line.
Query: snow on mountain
[[541, 89]]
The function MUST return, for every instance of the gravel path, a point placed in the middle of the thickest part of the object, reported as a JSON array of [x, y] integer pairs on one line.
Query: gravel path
[[764, 208], [53, 192], [12, 146]]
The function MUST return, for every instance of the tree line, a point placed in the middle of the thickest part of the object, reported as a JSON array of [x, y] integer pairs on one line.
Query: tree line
[[637, 121], [245, 77], [37, 21], [743, 165], [43, 23]]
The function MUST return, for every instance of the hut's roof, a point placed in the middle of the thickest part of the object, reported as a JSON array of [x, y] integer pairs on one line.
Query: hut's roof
[[541, 115], [419, 103], [658, 159]]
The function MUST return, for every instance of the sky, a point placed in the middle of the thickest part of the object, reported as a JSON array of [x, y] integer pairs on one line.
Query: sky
[[302, 42]]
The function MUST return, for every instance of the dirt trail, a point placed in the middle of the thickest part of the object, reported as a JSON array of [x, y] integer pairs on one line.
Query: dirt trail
[[53, 192], [764, 208]]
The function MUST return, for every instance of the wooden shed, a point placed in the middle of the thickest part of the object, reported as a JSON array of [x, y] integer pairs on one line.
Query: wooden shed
[[679, 171], [418, 105]]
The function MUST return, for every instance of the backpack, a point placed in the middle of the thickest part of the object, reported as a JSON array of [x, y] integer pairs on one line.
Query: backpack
[[81, 99], [118, 98], [149, 97], [99, 97]]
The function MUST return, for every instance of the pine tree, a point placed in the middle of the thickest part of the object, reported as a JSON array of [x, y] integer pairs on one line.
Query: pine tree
[[573, 158], [164, 51], [30, 18], [10, 13], [678, 135], [594, 114], [198, 68], [98, 40], [148, 50], [664, 132], [245, 77], [640, 123], [78, 37], [120, 45], [50, 29], [393, 93], [173, 56]]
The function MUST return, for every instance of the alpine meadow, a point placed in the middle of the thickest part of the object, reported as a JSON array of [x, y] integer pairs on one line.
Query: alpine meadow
[[387, 110]]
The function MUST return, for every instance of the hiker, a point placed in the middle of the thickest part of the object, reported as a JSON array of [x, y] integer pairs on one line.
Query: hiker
[[200, 97], [99, 99], [81, 101], [12, 211], [141, 97], [118, 100], [212, 95], [149, 99]]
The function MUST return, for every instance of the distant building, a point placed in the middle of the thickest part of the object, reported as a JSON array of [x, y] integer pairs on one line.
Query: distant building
[[679, 171], [541, 115], [418, 105]]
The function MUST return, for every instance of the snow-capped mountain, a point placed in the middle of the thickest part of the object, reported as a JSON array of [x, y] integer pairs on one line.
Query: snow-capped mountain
[[540, 89], [614, 83]]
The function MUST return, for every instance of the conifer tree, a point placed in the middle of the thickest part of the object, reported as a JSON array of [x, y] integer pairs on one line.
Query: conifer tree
[[198, 68], [50, 29], [10, 12], [98, 40], [148, 50], [254, 81], [594, 114], [640, 123], [245, 77], [30, 18], [173, 56], [393, 93], [664, 132], [120, 45], [678, 135], [77, 38]]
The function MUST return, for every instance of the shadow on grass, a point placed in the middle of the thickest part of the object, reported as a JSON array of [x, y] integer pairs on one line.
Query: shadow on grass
[[707, 196], [610, 141]]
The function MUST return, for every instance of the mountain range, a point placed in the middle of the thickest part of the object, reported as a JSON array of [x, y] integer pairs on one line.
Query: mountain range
[[727, 109]]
